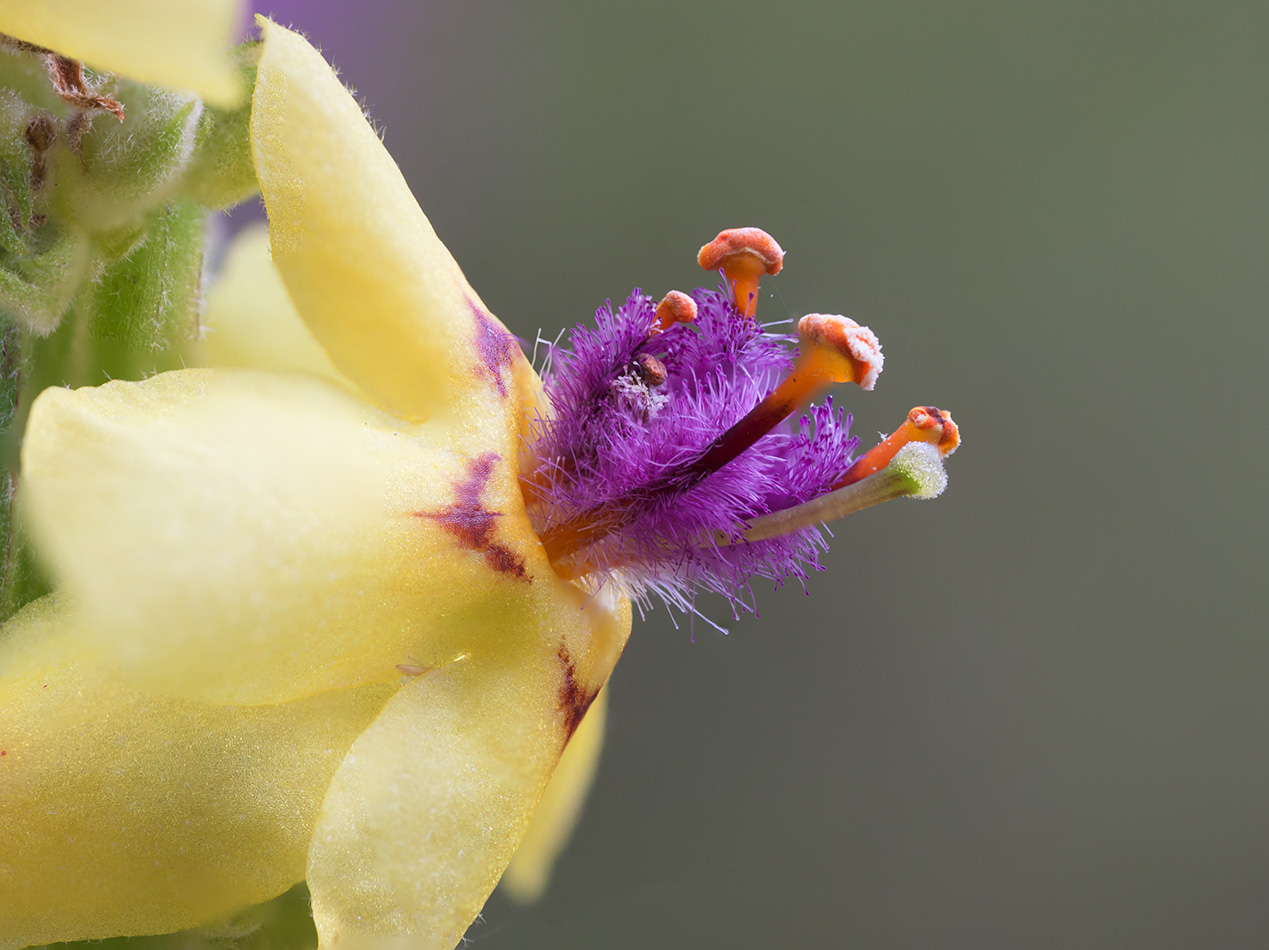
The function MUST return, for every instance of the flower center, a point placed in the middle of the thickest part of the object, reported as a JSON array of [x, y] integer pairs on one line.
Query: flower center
[[671, 463]]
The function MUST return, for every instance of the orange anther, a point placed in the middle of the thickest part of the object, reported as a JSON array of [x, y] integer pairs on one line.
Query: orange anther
[[937, 424], [743, 255], [848, 352], [675, 307], [924, 424], [835, 349]]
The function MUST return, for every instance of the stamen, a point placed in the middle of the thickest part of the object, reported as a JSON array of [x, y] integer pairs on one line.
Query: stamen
[[670, 463], [926, 424], [916, 472], [650, 369], [675, 307], [835, 349], [743, 255]]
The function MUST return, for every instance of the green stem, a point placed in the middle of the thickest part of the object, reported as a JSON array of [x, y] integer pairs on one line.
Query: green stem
[[21, 580]]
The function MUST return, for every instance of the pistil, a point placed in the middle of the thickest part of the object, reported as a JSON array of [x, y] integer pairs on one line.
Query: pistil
[[835, 349], [916, 471]]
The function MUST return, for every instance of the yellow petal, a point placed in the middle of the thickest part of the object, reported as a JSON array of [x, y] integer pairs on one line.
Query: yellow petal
[[125, 813], [240, 536], [561, 806], [432, 800], [182, 44], [364, 267], [250, 320]]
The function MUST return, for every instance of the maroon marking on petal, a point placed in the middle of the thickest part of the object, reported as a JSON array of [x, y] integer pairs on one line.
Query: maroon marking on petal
[[473, 524], [496, 348], [574, 698]]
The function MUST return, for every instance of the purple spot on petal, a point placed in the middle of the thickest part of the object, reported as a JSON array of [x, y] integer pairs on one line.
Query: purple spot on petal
[[496, 348], [472, 524], [575, 698]]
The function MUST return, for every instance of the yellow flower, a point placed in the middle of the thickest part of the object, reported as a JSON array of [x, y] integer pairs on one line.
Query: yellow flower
[[316, 616], [304, 626], [181, 44]]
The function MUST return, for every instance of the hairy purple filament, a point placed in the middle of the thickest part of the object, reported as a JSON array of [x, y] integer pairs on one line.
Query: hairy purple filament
[[631, 481]]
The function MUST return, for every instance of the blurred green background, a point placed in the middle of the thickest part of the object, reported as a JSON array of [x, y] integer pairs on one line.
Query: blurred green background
[[1032, 713]]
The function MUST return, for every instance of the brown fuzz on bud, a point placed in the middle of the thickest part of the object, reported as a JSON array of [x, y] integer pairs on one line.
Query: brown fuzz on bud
[[67, 76], [743, 255], [675, 307], [848, 352], [41, 133], [924, 424]]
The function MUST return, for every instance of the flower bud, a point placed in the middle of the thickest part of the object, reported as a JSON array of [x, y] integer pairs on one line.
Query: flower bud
[[37, 288], [125, 169]]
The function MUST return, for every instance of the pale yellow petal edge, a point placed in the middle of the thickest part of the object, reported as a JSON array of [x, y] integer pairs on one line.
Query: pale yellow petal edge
[[182, 44], [552, 826]]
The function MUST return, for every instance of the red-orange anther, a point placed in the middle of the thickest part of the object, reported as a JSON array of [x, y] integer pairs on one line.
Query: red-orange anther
[[743, 255], [675, 307], [848, 352], [924, 424], [835, 349]]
